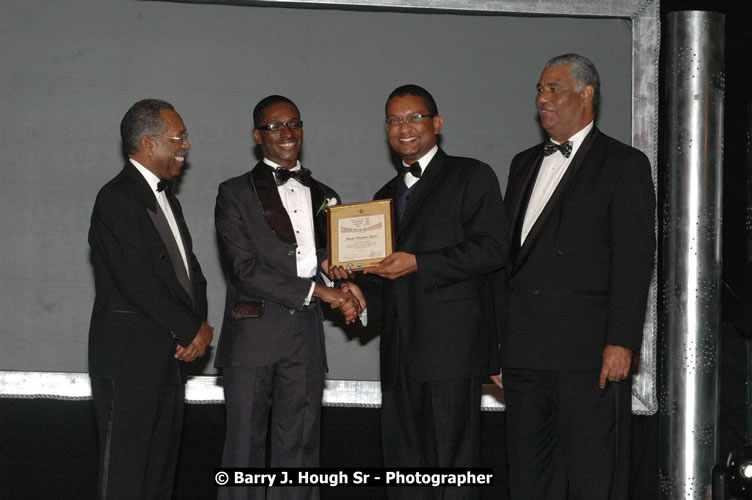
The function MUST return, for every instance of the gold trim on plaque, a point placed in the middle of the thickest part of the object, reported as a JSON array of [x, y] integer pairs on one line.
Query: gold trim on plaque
[[360, 234]]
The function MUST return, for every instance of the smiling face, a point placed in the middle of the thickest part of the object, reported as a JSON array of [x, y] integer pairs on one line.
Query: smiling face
[[282, 146], [563, 111], [412, 140], [162, 155]]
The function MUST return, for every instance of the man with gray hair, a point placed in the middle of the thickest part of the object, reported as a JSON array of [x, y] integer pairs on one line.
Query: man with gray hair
[[149, 316], [582, 208]]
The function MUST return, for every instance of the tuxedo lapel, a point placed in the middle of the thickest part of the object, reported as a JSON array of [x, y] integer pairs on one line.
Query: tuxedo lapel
[[556, 197], [431, 174], [518, 206], [177, 211], [173, 252], [263, 184], [185, 235], [391, 190], [318, 197], [143, 193]]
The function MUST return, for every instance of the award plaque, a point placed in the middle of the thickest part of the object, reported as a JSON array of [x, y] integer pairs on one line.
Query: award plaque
[[360, 234]]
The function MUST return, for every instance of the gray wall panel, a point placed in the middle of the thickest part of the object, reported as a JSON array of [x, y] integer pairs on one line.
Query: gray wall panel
[[71, 69]]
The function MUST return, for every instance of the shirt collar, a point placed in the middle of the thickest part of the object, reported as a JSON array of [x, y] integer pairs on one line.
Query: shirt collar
[[276, 166], [152, 179], [577, 138], [425, 159]]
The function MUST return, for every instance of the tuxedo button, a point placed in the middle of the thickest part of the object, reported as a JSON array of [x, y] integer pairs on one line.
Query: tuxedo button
[[559, 253], [536, 292]]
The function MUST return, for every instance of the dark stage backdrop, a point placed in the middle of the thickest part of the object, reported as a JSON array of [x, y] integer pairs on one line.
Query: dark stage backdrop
[[71, 69]]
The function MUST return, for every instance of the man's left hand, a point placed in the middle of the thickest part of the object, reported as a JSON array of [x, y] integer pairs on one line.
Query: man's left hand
[[197, 347], [395, 266], [616, 363]]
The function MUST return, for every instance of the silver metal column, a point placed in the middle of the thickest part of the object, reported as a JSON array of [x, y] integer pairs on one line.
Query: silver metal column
[[748, 177], [748, 224], [691, 256]]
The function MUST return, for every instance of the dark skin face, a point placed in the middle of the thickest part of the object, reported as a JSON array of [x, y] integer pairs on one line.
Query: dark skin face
[[163, 156], [412, 140], [563, 111], [283, 146]]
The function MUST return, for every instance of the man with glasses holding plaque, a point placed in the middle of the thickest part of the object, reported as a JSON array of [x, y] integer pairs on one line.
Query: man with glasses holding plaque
[[271, 224], [435, 295]]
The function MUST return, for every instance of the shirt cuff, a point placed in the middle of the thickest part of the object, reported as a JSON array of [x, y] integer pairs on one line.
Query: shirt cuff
[[307, 301], [329, 283]]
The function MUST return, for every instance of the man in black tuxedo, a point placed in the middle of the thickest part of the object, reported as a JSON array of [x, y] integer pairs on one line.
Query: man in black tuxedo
[[582, 213], [434, 296], [271, 224], [149, 315]]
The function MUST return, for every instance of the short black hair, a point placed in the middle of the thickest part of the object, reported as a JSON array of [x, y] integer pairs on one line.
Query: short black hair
[[417, 91], [583, 73], [266, 102], [143, 119]]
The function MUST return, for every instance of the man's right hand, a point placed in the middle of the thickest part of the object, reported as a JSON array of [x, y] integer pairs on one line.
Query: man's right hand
[[337, 272], [496, 379], [197, 347], [352, 288], [337, 298]]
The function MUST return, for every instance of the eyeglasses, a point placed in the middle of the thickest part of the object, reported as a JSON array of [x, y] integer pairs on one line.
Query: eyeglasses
[[394, 121], [277, 126], [181, 140]]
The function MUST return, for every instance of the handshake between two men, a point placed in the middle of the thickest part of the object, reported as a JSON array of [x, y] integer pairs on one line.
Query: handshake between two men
[[349, 298]]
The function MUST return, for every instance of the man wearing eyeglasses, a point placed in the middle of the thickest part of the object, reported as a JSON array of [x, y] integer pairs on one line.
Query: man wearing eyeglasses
[[271, 224], [149, 315], [582, 210], [436, 296]]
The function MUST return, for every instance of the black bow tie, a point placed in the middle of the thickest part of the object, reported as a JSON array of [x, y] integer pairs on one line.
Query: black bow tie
[[303, 176], [164, 185], [413, 169], [550, 148]]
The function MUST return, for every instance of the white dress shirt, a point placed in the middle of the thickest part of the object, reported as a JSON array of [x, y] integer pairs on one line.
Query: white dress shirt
[[296, 198], [550, 174], [409, 178], [164, 204]]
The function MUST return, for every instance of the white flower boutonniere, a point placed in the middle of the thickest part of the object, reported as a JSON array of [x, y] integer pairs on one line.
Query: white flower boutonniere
[[328, 202]]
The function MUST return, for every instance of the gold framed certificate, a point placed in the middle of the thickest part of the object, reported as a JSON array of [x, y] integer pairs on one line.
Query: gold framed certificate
[[360, 234]]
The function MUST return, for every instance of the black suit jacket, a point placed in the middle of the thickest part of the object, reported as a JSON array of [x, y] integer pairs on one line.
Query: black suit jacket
[[580, 281], [440, 322], [141, 309], [257, 244]]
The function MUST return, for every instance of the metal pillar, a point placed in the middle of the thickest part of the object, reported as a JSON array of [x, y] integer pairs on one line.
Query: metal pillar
[[748, 224], [691, 255]]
